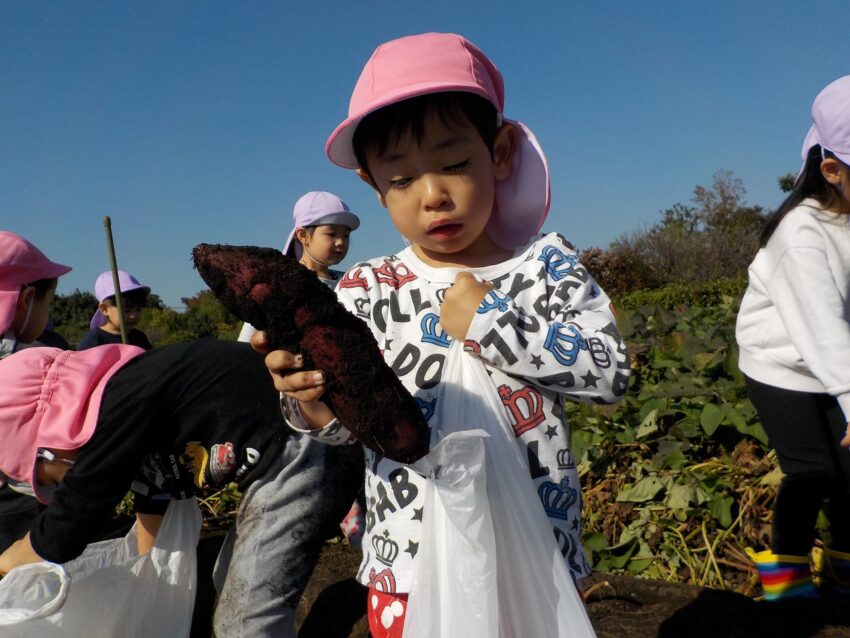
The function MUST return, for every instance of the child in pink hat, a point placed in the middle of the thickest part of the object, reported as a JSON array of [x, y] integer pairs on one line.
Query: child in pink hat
[[105, 324], [27, 283], [469, 190], [83, 428]]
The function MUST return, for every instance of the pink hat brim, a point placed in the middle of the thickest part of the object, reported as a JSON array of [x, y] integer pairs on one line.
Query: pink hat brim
[[339, 147]]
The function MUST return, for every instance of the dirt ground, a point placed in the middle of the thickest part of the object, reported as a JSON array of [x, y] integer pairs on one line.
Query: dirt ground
[[334, 606], [620, 607]]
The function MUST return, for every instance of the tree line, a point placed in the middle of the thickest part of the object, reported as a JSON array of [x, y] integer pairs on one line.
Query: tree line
[[713, 238]]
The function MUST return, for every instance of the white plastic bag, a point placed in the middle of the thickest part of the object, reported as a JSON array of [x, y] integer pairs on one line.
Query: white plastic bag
[[488, 565], [109, 590]]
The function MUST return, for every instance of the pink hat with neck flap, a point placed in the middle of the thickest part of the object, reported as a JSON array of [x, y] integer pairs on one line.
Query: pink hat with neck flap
[[440, 62], [21, 263]]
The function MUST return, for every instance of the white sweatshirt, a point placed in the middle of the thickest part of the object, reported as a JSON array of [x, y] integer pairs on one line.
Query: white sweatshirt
[[546, 333], [794, 324]]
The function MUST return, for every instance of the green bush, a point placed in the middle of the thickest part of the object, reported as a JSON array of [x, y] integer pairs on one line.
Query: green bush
[[677, 479], [672, 296]]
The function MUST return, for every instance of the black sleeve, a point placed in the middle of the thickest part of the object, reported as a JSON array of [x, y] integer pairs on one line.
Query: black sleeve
[[88, 341], [140, 339]]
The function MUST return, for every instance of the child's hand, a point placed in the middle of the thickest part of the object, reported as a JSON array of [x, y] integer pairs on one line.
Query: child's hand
[[303, 386], [19, 553], [461, 301], [259, 342], [845, 442]]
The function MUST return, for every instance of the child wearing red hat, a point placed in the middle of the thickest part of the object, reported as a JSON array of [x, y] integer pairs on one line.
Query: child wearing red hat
[[469, 190]]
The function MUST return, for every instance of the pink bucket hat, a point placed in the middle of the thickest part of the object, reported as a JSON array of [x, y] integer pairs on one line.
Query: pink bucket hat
[[105, 288], [21, 263], [315, 209], [831, 120], [435, 63]]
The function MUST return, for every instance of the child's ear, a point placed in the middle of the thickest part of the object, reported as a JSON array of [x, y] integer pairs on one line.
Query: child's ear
[[364, 175], [504, 147], [103, 307], [26, 297], [831, 170]]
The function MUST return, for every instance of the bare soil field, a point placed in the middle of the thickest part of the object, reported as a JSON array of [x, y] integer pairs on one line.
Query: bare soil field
[[620, 607], [334, 606]]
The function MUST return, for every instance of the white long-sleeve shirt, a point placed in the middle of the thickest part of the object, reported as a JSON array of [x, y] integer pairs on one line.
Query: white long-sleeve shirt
[[545, 333], [793, 327]]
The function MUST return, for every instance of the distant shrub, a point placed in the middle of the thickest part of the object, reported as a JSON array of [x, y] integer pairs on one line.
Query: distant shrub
[[672, 296], [716, 238]]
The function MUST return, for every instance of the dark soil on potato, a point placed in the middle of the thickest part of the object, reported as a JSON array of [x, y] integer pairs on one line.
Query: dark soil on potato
[[334, 606]]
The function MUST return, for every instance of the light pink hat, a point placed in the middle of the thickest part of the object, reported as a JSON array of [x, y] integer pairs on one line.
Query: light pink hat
[[21, 263], [435, 63], [315, 209], [104, 288], [50, 398]]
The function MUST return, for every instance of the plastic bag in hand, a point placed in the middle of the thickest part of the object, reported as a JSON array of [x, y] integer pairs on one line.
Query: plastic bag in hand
[[488, 565], [110, 590]]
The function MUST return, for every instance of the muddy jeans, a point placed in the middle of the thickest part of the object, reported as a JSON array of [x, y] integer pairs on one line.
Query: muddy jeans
[[283, 520]]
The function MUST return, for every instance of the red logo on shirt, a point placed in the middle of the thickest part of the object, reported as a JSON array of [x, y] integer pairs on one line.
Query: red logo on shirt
[[395, 277], [525, 406], [354, 279]]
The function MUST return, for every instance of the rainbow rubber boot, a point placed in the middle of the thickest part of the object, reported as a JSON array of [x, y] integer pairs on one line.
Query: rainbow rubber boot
[[832, 572], [783, 576]]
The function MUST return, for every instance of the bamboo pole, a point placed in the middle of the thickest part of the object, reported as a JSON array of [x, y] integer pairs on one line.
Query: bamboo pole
[[116, 285]]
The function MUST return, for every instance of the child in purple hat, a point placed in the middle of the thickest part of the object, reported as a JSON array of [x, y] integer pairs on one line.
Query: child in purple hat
[[319, 240], [105, 324], [794, 338], [469, 190], [260, 578]]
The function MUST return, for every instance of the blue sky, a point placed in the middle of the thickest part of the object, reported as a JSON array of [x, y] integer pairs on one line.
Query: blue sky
[[192, 122]]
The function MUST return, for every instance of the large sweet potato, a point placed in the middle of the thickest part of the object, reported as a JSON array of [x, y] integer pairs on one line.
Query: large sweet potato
[[299, 313]]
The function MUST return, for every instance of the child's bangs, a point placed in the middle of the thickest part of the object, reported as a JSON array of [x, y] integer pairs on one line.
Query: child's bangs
[[388, 126]]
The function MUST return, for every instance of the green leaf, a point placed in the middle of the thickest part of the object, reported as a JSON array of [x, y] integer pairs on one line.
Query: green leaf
[[710, 418], [680, 497], [644, 490], [595, 542], [675, 460], [648, 426], [721, 509], [656, 405], [625, 324]]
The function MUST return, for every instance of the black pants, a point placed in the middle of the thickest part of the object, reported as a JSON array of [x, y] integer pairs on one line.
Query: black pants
[[805, 429]]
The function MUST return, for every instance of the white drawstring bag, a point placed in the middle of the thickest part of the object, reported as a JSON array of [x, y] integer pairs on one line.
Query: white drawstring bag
[[488, 565], [110, 590]]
